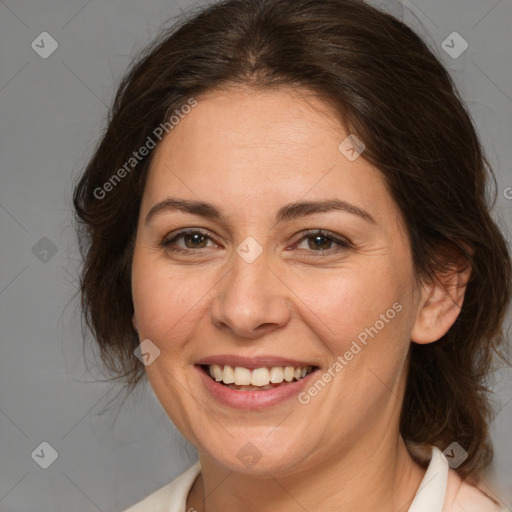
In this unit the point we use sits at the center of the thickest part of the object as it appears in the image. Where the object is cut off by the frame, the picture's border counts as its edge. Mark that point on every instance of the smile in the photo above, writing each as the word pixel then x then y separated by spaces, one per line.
pixel 245 379
pixel 256 388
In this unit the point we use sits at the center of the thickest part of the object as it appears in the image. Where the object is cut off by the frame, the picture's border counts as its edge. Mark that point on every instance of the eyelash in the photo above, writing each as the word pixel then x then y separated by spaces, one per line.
pixel 343 244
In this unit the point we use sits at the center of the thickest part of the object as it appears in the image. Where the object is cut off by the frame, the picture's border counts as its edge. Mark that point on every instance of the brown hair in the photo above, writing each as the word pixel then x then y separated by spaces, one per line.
pixel 391 92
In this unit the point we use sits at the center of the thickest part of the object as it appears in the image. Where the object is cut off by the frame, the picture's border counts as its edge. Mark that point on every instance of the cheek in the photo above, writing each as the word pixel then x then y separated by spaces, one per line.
pixel 170 302
pixel 343 302
pixel 160 299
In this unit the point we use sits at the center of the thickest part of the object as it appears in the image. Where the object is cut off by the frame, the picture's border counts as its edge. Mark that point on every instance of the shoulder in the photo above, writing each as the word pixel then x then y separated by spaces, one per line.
pixel 462 496
pixel 171 497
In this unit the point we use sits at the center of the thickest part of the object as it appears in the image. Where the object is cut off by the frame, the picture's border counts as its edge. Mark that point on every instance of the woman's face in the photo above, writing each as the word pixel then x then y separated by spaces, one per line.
pixel 258 283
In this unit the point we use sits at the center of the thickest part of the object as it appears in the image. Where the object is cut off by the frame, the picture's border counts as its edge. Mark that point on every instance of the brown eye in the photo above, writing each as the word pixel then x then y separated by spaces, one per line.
pixel 193 240
pixel 318 241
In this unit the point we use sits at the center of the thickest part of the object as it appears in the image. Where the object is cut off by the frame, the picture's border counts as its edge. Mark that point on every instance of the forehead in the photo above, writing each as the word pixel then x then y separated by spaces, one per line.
pixel 255 150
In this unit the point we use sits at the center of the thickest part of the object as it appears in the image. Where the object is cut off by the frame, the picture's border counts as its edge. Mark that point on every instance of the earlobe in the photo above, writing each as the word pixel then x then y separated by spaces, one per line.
pixel 440 305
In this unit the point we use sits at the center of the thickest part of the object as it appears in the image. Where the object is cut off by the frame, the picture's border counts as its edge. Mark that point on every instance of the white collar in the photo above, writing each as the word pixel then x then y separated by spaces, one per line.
pixel 432 490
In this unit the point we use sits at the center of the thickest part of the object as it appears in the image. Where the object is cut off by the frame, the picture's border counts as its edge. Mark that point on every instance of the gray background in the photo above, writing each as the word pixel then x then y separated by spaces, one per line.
pixel 52 111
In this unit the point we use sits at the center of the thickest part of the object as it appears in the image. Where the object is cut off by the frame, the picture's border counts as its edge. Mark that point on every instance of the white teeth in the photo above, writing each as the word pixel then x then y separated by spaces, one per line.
pixel 276 374
pixel 288 373
pixel 217 372
pixel 228 375
pixel 260 377
pixel 242 376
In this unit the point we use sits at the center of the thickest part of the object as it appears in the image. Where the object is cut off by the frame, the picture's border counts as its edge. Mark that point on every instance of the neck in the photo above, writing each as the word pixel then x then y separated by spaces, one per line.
pixel 378 474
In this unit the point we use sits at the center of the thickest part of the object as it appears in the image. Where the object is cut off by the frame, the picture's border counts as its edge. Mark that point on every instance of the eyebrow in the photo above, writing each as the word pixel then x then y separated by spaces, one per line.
pixel 288 212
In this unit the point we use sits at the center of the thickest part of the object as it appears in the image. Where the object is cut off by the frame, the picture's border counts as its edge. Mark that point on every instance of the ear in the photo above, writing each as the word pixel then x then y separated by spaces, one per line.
pixel 441 302
pixel 134 323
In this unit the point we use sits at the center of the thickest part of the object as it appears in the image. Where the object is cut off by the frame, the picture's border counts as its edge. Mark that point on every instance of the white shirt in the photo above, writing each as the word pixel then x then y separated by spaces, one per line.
pixel 441 490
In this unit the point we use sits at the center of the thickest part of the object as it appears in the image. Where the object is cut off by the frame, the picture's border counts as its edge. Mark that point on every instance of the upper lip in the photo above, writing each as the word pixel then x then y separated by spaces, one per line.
pixel 252 363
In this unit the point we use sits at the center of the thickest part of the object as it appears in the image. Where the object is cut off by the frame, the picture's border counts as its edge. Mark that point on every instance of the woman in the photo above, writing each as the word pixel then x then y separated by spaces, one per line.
pixel 286 222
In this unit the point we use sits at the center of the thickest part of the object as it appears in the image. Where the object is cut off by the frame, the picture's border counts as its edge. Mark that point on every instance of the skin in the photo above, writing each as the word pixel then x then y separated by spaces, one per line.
pixel 250 152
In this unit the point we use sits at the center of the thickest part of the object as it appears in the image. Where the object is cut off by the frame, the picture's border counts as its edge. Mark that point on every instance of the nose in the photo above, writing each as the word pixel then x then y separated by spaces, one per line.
pixel 252 299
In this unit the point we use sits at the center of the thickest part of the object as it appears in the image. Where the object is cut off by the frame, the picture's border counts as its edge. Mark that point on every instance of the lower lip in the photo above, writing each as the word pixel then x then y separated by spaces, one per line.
pixel 253 400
